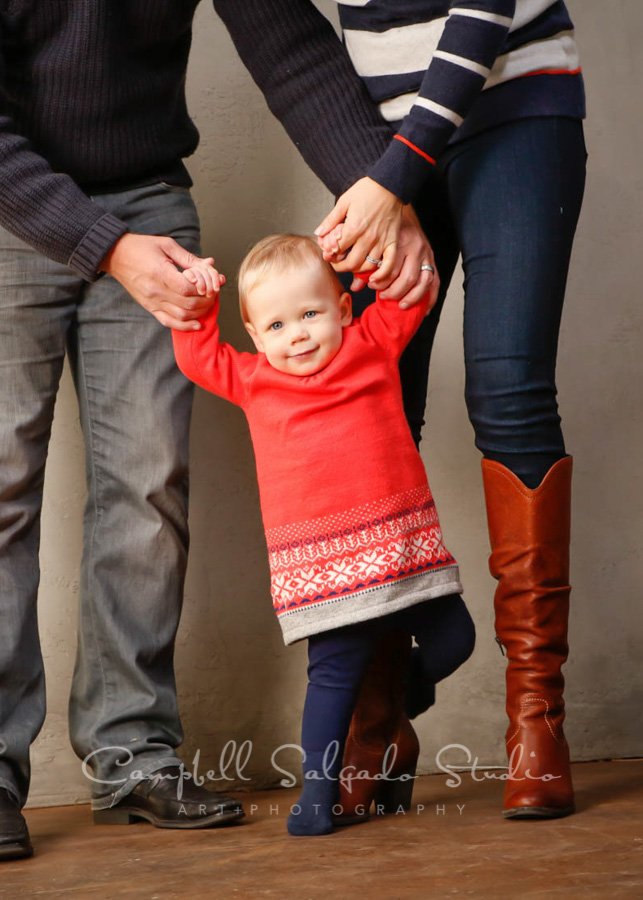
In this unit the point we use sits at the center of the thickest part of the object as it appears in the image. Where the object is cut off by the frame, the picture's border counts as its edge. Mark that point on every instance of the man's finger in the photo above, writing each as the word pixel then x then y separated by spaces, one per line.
pixel 180 313
pixel 179 254
pixel 177 286
pixel 169 321
pixel 183 307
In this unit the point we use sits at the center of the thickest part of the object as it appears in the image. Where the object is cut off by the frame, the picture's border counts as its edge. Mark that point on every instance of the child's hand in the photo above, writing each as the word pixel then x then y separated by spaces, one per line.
pixel 329 244
pixel 205 277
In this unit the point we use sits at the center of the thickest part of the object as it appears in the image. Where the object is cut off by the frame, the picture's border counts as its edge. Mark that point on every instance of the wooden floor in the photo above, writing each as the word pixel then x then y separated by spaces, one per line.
pixel 435 851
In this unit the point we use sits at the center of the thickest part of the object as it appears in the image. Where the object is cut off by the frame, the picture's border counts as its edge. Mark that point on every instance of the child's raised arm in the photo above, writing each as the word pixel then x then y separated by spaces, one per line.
pixel 213 365
pixel 392 327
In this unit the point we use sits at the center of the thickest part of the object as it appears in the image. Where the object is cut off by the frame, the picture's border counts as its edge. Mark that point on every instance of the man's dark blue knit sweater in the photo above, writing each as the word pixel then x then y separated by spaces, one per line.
pixel 92 97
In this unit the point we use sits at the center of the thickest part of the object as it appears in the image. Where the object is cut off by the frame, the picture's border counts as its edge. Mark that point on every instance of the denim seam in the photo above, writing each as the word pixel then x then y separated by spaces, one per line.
pixel 97 511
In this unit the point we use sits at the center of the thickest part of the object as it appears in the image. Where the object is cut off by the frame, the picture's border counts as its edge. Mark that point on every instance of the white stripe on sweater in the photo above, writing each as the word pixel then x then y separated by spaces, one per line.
pixel 439 110
pixel 493 18
pixel 397 108
pixel 528 10
pixel 558 53
pixel 410 48
pixel 396 51
pixel 462 61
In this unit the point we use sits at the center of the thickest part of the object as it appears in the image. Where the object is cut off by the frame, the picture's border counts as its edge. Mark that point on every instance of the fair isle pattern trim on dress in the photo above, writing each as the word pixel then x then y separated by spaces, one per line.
pixel 363 548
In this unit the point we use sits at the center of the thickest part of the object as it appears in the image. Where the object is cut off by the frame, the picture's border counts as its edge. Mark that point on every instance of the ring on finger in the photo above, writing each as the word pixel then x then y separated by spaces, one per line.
pixel 425 267
pixel 376 262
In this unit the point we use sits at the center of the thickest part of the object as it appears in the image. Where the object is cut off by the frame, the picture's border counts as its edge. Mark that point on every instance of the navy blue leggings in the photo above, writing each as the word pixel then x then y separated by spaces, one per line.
pixel 508 200
pixel 337 660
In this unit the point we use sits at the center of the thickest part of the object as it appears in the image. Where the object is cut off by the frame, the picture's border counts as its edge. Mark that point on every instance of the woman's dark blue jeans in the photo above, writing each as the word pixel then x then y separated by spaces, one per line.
pixel 508 200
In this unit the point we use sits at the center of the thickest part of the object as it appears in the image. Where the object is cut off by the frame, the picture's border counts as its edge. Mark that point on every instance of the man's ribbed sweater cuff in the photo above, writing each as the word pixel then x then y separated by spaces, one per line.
pixel 95 245
pixel 401 170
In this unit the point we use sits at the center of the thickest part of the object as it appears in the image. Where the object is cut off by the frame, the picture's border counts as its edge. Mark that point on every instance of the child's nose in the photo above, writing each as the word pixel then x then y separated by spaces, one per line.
pixel 300 333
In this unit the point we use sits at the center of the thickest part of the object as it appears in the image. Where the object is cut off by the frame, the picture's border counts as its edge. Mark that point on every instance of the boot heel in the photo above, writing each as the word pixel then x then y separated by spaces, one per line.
pixel 392 795
pixel 113 816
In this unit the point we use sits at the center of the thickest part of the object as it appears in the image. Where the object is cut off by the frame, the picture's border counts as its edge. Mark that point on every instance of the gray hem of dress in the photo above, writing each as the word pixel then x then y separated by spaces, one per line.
pixel 371 603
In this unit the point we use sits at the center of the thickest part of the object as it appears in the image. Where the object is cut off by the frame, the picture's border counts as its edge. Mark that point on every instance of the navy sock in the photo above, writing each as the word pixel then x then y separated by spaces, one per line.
pixel 313 813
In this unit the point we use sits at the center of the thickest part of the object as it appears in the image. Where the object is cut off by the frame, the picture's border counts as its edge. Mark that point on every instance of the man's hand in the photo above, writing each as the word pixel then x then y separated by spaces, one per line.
pixel 146 266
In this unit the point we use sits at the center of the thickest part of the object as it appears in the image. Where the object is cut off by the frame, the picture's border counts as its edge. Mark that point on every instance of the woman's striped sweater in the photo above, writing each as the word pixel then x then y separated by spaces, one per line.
pixel 450 69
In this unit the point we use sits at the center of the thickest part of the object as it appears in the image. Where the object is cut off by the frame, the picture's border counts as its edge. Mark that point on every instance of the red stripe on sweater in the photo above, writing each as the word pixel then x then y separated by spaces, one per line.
pixel 552 72
pixel 398 137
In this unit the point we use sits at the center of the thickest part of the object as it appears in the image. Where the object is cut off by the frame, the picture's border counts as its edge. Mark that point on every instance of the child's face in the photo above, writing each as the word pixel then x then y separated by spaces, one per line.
pixel 296 318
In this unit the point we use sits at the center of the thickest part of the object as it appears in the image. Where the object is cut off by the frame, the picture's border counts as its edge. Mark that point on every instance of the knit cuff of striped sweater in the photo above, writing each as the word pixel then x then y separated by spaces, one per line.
pixel 402 169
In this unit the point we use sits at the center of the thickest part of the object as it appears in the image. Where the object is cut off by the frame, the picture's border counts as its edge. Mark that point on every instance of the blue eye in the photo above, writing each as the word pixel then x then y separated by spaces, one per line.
pixel 310 314
pixel 276 326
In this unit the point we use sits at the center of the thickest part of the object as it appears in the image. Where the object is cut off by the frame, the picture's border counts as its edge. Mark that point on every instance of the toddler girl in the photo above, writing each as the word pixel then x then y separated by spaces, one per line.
pixel 354 541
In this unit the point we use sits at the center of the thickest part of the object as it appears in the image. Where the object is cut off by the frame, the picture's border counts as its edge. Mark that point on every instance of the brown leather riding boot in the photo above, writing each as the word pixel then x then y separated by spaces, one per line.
pixel 380 722
pixel 529 533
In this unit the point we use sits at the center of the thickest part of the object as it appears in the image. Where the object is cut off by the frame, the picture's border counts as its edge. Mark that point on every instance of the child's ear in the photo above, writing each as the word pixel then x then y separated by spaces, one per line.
pixel 255 337
pixel 346 309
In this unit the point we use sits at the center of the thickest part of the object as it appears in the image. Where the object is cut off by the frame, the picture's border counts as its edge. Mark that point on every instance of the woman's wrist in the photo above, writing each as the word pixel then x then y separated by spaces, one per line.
pixel 401 170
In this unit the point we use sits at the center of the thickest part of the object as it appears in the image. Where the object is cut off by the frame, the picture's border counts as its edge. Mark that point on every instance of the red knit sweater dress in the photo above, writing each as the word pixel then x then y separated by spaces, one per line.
pixel 351 526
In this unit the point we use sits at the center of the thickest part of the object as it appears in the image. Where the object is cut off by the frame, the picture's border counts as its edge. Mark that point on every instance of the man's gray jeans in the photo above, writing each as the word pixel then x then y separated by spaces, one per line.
pixel 135 410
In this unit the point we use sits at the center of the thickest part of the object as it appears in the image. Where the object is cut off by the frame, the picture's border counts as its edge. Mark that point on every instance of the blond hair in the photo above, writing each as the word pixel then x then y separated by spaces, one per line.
pixel 278 253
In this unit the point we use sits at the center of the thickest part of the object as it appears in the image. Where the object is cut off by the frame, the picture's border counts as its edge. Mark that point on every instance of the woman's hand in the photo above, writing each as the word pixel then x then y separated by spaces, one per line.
pixel 375 223
pixel 371 218
pixel 407 280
